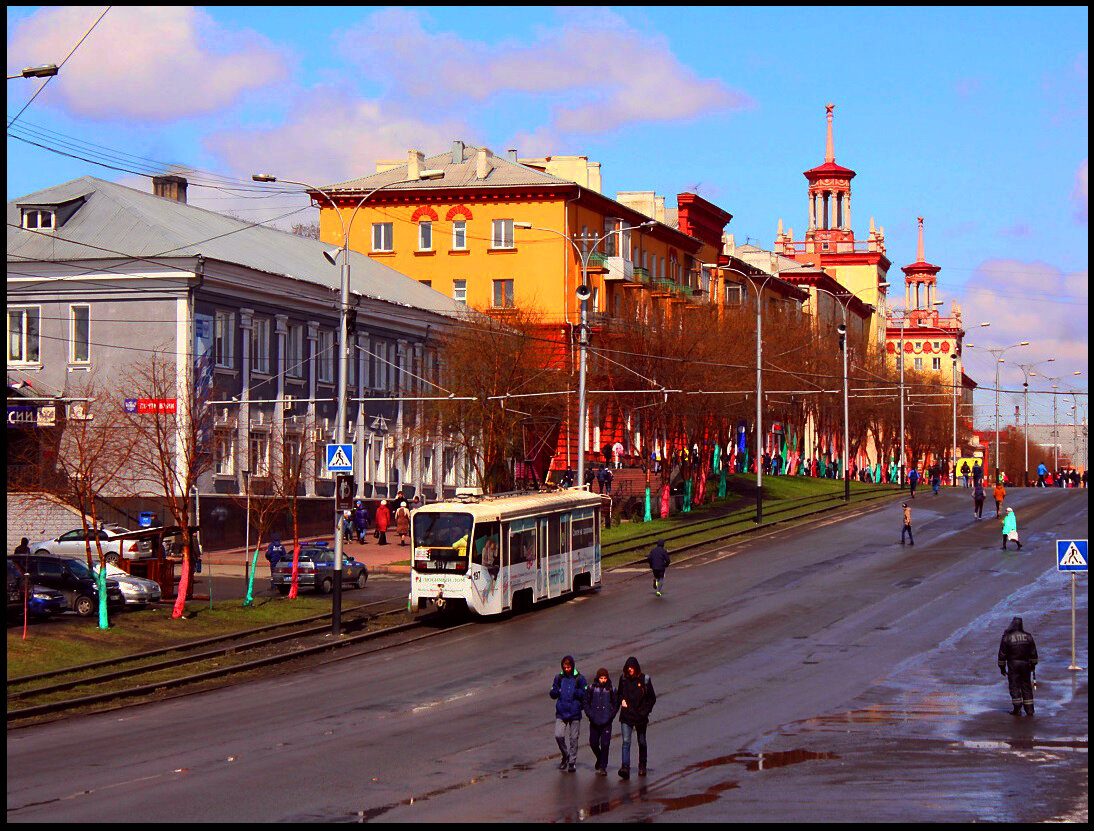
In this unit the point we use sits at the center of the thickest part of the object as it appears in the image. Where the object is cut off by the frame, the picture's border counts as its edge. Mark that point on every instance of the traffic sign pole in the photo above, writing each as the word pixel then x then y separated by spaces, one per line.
pixel 1072 556
pixel 1074 666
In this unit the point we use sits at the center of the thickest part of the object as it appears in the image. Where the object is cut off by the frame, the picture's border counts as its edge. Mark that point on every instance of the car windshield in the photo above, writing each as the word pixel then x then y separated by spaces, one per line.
pixel 79 569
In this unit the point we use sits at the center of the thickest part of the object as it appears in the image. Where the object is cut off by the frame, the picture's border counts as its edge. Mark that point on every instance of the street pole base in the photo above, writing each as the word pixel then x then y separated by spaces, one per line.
pixel 1075 668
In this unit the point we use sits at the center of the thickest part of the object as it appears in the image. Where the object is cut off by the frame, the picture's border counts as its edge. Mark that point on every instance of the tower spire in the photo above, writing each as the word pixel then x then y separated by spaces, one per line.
pixel 829 151
pixel 919 251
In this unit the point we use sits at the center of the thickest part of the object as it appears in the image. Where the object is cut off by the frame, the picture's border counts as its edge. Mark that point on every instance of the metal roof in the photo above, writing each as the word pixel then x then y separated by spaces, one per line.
pixel 115 222
pixel 507 505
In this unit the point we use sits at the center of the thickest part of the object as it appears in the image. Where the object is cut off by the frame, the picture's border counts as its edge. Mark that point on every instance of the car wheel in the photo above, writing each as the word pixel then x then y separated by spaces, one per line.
pixel 361 580
pixel 112 557
pixel 326 585
pixel 43 552
pixel 84 605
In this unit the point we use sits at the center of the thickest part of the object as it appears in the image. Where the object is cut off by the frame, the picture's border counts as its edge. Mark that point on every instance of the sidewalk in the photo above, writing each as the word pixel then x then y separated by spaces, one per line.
pixel 232 562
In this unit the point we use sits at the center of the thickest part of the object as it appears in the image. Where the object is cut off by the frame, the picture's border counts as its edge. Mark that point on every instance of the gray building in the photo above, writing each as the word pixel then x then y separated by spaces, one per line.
pixel 102 276
pixel 1069 441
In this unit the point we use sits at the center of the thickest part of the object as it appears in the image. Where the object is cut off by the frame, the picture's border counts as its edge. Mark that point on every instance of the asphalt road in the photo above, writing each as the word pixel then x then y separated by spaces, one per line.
pixel 816 674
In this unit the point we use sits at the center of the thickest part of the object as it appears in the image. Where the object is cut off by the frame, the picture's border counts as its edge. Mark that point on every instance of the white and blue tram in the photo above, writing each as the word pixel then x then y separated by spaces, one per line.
pixel 496 551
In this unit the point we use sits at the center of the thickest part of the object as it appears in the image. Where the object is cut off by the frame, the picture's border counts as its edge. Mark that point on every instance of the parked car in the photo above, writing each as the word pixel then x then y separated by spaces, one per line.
pixel 138 591
pixel 42 601
pixel 73 579
pixel 316 570
pixel 74 544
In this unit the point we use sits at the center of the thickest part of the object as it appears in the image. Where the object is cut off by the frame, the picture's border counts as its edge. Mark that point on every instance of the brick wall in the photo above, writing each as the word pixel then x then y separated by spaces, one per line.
pixel 37 517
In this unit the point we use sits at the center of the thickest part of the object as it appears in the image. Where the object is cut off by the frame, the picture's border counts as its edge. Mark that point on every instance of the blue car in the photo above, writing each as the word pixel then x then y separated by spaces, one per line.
pixel 316 570
pixel 42 601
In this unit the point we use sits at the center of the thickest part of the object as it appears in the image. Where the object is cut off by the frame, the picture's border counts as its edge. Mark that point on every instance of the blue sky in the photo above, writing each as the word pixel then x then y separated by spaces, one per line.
pixel 975 119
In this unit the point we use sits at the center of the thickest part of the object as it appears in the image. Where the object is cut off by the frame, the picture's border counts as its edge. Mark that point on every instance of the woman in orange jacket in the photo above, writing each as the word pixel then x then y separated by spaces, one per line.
pixel 1000 494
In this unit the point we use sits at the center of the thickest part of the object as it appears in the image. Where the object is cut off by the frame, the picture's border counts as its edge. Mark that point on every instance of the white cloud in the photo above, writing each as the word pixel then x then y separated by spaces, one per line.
pixel 331 135
pixel 1030 301
pixel 594 73
pixel 158 63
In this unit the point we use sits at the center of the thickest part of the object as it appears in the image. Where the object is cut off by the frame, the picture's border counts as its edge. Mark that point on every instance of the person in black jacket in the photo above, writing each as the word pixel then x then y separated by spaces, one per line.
pixel 636 700
pixel 601 705
pixel 659 561
pixel 1017 661
pixel 568 691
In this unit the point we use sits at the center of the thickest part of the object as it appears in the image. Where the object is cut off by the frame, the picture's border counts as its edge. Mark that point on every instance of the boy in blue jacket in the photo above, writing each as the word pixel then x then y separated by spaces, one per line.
pixel 601 705
pixel 568 690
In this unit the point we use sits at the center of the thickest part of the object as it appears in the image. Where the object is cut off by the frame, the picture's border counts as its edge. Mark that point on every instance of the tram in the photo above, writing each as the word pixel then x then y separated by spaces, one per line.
pixel 494 552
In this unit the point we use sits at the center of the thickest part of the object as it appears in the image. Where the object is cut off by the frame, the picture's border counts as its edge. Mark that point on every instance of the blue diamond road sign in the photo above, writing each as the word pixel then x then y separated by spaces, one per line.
pixel 1071 555
pixel 340 458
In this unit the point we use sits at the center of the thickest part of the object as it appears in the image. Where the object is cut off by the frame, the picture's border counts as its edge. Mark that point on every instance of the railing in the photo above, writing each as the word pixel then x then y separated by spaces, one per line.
pixel 856 247
pixel 641 274
pixel 598 259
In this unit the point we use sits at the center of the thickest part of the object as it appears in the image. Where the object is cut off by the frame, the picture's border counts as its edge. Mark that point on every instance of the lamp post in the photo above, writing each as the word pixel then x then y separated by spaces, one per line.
pixel 997 353
pixel 583 292
pixel 343 361
pixel 842 330
pixel 1027 373
pixel 1055 426
pixel 45 71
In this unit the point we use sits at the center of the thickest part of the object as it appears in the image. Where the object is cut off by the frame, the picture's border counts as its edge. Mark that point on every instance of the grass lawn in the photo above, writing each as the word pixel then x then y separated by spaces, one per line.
pixel 77 642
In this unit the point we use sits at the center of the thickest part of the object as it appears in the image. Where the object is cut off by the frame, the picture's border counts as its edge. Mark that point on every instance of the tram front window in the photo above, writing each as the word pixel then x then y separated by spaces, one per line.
pixel 440 541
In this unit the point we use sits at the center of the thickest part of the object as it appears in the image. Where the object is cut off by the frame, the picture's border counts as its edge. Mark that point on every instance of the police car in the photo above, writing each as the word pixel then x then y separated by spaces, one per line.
pixel 316 570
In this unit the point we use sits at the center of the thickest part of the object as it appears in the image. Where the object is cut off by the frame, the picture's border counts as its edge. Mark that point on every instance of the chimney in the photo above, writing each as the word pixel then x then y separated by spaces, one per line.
pixel 457 152
pixel 414 161
pixel 170 187
pixel 512 154
pixel 482 168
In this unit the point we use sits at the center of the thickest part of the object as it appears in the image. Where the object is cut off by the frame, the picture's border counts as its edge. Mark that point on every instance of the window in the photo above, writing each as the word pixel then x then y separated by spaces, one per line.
pixel 320 457
pixel 459 291
pixel 609 243
pixel 80 350
pixel 224 339
pixel 38 220
pixel 260 346
pixel 260 454
pixel 427 283
pixel 225 452
pixel 459 235
pixel 292 457
pixel 325 358
pixel 382 236
pixel 503 294
pixel 425 236
pixel 503 233
pixel 294 347
pixel 936 363
pixel 594 301
pixel 23 334
pixel 734 294
pixel 918 364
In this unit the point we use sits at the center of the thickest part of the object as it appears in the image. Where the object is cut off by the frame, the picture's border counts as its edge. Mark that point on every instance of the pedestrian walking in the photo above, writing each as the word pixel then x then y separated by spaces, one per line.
pixel 604 477
pixel 1041 471
pixel 617 454
pixel 383 520
pixel 360 521
pixel 659 561
pixel 977 472
pixel 402 523
pixel 907 529
pixel 23 547
pixel 1010 529
pixel 275 552
pixel 636 700
pixel 568 691
pixel 965 472
pixel 601 705
pixel 590 476
pixel 978 500
pixel 913 480
pixel 1000 493
pixel 347 524
pixel 1018 662
pixel 936 480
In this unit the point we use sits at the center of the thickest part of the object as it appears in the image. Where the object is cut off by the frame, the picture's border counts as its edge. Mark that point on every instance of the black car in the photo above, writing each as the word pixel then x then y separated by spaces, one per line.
pixel 72 578
pixel 39 603
pixel 316 570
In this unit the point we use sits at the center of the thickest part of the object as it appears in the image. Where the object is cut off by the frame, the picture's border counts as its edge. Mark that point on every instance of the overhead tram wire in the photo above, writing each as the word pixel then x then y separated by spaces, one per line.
pixel 59 66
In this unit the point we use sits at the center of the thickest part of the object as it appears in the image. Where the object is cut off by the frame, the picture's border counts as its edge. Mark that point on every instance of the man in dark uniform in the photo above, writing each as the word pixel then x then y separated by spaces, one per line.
pixel 1017 661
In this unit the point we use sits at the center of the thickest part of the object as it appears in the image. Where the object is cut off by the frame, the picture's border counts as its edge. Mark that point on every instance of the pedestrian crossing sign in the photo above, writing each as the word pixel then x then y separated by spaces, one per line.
pixel 340 458
pixel 1071 555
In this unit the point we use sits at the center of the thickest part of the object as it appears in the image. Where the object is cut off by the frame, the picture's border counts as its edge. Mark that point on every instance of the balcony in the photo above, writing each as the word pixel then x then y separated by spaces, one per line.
pixel 619 268
pixel 598 262
pixel 663 288
pixel 642 275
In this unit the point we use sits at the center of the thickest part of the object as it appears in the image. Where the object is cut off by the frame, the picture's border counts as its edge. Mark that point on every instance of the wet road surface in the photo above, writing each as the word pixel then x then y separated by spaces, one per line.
pixel 817 674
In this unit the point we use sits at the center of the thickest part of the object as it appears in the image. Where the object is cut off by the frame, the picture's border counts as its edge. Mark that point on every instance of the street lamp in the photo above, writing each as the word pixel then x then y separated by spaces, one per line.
pixel 583 292
pixel 1055 426
pixel 45 71
pixel 343 363
pixel 1027 373
pixel 997 353
pixel 842 330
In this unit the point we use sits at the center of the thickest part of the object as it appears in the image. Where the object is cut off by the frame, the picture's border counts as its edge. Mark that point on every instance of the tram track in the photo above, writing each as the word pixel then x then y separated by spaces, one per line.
pixel 187 668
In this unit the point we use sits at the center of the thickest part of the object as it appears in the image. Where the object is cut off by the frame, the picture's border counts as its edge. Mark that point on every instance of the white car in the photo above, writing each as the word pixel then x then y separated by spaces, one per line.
pixel 73 544
pixel 137 591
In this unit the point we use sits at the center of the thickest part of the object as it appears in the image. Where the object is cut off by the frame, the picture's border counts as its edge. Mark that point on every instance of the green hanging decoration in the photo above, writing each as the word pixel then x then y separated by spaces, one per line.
pixel 687 496
pixel 648 516
pixel 249 599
